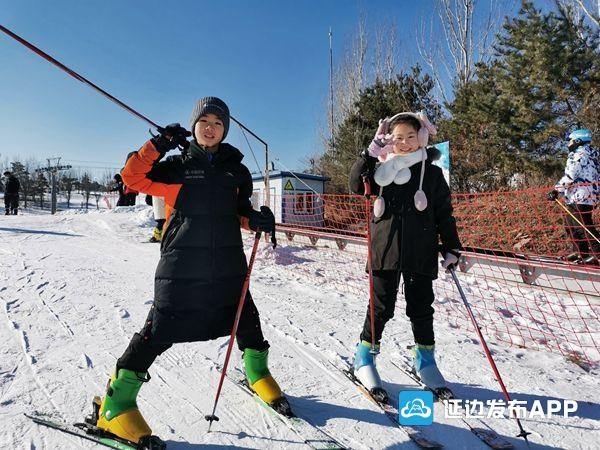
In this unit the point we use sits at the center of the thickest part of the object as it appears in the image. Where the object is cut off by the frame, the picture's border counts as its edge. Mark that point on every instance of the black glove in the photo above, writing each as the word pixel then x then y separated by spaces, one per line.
pixel 369 164
pixel 170 137
pixel 263 220
pixel 552 195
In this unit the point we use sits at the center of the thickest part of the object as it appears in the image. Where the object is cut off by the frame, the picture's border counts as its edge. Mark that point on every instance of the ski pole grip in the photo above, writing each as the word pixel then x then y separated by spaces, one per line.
pixel 367 185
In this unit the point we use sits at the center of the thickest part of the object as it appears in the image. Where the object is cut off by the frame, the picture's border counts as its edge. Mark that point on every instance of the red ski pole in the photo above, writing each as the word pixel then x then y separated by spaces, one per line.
pixel 75 75
pixel 84 80
pixel 367 185
pixel 212 417
pixel 522 433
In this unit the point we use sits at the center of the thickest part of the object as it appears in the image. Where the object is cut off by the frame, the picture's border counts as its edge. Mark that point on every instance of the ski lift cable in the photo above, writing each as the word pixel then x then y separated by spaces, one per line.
pixel 85 161
pixel 115 100
pixel 296 176
pixel 75 75
pixel 112 169
pixel 251 151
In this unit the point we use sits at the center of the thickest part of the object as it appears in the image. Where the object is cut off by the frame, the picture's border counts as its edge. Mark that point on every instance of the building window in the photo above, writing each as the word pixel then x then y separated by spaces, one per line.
pixel 299 203
pixel 304 204
pixel 310 209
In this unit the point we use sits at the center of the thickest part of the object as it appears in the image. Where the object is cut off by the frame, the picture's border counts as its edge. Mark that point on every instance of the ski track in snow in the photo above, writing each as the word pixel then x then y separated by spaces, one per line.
pixel 75 287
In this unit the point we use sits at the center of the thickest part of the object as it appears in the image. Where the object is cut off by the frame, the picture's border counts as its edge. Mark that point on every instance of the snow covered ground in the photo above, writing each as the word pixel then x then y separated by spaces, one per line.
pixel 75 286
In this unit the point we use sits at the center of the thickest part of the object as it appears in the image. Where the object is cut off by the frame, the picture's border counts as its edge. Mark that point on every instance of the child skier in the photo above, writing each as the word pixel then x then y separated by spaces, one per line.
pixel 580 188
pixel 412 212
pixel 202 267
pixel 158 210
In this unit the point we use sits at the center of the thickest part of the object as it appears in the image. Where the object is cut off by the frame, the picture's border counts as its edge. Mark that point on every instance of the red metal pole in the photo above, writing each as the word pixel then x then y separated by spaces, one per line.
pixel 75 75
pixel 523 433
pixel 367 185
pixel 238 314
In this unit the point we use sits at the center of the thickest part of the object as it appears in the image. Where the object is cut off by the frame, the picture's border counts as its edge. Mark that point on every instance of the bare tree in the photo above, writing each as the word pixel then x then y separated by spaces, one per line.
pixel 66 183
pixel 107 179
pixel 349 78
pixel 457 37
pixel 385 51
pixel 581 9
pixel 359 67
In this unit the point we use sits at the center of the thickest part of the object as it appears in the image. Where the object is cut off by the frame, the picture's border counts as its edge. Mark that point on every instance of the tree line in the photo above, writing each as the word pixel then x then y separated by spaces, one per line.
pixel 506 109
pixel 35 183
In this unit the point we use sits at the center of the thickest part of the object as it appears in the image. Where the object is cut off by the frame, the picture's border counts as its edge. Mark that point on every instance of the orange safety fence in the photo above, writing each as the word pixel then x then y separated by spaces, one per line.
pixel 522 289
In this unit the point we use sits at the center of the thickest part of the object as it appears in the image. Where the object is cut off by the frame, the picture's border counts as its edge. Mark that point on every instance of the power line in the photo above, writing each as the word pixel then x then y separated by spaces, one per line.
pixel 251 151
pixel 93 162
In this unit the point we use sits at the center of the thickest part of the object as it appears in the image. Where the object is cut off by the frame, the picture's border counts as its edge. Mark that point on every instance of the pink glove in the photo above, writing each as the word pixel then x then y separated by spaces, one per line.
pixel 451 258
pixel 382 142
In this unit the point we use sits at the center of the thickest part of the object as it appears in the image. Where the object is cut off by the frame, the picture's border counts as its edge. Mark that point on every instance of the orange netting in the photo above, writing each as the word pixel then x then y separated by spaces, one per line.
pixel 522 290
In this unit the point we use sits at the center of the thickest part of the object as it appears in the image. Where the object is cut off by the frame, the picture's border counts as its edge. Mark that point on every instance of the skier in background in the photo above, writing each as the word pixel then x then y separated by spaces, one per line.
pixel 120 188
pixel 579 186
pixel 12 186
pixel 202 267
pixel 158 211
pixel 412 211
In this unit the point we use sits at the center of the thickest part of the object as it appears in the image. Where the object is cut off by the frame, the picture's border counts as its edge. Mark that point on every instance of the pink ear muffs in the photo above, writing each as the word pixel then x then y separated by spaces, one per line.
pixel 427 128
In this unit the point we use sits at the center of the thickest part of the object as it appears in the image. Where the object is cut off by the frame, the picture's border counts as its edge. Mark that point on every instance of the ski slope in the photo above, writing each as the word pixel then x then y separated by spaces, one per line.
pixel 74 287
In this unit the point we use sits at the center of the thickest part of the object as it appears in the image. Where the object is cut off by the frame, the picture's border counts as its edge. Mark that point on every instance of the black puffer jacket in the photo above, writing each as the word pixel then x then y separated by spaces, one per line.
pixel 202 266
pixel 12 185
pixel 404 238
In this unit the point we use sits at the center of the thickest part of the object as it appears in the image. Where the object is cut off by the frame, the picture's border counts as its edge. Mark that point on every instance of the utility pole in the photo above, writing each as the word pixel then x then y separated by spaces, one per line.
pixel 53 171
pixel 331 83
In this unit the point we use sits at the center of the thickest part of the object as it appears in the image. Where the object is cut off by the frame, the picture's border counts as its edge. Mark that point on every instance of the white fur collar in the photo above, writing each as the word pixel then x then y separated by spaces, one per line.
pixel 395 168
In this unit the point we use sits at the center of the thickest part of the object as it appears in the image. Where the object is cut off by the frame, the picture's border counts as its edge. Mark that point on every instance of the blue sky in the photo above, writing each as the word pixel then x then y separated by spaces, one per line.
pixel 269 60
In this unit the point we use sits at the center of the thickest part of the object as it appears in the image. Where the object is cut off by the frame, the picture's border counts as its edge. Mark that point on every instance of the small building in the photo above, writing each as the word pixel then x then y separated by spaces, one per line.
pixel 295 197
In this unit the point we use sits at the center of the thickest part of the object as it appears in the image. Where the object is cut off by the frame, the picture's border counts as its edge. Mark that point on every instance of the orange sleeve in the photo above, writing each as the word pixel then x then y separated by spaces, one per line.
pixel 135 176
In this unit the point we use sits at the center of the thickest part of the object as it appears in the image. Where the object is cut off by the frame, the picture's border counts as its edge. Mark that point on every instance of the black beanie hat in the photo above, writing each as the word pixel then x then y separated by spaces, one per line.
pixel 210 105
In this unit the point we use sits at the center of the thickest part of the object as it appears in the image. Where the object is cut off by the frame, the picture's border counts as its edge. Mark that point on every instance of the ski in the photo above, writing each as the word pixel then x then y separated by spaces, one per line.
pixel 487 435
pixel 391 412
pixel 310 434
pixel 80 431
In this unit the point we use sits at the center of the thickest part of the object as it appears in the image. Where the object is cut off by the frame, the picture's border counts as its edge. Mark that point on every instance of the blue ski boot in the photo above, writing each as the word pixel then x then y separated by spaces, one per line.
pixel 425 367
pixel 365 371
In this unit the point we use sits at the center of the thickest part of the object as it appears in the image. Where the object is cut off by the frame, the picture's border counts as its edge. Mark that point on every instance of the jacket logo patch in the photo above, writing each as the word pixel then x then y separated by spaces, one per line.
pixel 194 174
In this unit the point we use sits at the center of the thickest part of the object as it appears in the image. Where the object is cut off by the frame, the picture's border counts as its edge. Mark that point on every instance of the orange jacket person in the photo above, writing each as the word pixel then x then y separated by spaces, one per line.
pixel 202 266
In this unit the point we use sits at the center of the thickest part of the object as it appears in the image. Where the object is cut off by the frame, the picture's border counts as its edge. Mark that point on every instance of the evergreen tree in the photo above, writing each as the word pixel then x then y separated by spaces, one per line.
pixel 406 92
pixel 40 187
pixel 66 183
pixel 513 118
pixel 20 171
pixel 86 186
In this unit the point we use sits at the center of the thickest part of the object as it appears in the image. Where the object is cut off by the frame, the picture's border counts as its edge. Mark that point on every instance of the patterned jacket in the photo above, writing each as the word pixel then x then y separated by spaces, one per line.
pixel 579 185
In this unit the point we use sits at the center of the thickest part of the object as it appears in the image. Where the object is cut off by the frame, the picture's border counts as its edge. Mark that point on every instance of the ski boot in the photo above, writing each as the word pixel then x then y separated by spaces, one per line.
pixel 425 367
pixel 365 371
pixel 156 235
pixel 118 413
pixel 262 382
pixel 590 261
